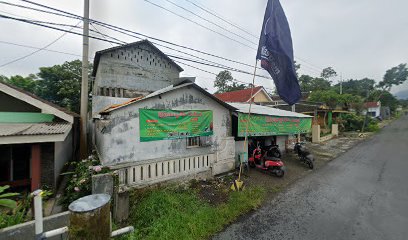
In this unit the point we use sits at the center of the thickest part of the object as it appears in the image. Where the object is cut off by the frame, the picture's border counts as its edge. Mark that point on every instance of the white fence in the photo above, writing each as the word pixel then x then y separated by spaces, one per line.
pixel 141 174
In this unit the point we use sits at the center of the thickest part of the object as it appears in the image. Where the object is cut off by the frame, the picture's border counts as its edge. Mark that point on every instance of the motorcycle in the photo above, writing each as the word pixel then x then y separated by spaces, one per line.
pixel 274 151
pixel 304 155
pixel 265 163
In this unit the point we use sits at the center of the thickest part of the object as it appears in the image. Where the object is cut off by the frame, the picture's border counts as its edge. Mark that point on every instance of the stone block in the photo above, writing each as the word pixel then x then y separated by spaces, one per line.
pixel 102 183
pixel 121 206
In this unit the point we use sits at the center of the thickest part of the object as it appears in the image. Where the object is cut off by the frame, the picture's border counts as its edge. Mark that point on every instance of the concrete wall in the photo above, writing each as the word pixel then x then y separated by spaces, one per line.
pixel 12 104
pixel 135 68
pixel 118 138
pixel 62 154
pixel 47 165
pixel 26 230
pixel 261 98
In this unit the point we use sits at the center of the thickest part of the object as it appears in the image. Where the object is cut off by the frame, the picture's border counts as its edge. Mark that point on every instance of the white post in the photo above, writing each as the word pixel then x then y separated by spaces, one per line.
pixel 38 215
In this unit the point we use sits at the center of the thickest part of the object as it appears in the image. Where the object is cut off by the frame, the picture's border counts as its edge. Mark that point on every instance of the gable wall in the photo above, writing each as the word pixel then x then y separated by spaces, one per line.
pixel 11 104
pixel 138 69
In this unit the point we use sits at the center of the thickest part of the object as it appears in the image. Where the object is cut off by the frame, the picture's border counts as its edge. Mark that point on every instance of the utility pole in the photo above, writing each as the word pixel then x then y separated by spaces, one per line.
pixel 341 83
pixel 84 87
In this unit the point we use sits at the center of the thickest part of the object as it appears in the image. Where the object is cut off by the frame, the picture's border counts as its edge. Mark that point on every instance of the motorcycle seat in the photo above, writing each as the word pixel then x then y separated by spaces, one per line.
pixel 272 159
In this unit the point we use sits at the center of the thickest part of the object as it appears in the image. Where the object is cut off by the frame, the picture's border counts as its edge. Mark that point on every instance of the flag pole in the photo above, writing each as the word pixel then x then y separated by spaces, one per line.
pixel 249 115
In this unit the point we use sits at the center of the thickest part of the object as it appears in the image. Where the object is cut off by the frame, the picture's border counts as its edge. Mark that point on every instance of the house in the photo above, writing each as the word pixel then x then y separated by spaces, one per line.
pixel 260 96
pixel 37 138
pixel 152 125
pixel 130 71
pixel 180 131
pixel 373 109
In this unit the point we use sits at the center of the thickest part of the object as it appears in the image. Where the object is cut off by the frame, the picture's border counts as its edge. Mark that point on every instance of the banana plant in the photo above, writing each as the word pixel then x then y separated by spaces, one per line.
pixel 4 198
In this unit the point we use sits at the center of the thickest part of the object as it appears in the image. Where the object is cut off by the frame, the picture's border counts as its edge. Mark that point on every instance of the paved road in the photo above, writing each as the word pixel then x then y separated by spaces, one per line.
pixel 362 194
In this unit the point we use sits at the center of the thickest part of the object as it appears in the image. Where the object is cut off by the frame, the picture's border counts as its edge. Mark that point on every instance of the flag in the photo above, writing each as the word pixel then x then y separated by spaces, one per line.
pixel 275 51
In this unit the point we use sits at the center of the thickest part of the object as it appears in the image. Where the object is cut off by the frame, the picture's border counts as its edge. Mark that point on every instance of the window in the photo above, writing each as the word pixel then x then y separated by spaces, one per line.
pixel 193 142
pixel 198 142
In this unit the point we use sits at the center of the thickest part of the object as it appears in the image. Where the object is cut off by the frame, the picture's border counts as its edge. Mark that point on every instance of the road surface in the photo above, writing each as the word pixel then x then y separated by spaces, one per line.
pixel 362 194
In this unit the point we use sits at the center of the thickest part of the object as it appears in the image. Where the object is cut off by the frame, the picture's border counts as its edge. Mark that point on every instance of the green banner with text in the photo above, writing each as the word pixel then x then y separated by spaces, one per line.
pixel 173 124
pixel 262 125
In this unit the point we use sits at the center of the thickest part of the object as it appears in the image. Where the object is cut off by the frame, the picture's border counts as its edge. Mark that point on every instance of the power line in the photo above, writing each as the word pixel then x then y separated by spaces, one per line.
pixel 71 15
pixel 47 50
pixel 120 43
pixel 211 22
pixel 122 30
pixel 199 24
pixel 39 50
pixel 213 13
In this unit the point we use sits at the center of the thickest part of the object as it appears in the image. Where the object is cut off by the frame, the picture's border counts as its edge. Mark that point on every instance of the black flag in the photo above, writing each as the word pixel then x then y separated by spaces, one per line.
pixel 276 52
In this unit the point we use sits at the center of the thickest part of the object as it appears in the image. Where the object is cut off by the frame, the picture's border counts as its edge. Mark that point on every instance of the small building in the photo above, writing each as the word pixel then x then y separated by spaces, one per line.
pixel 373 109
pixel 180 131
pixel 37 138
pixel 268 126
pixel 260 96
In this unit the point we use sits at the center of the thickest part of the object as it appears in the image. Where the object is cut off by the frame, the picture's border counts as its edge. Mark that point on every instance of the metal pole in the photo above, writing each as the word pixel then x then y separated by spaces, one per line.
pixel 84 87
pixel 38 216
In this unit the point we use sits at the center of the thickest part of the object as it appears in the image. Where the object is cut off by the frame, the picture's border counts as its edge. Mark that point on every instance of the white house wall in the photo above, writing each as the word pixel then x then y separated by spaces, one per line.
pixel 118 137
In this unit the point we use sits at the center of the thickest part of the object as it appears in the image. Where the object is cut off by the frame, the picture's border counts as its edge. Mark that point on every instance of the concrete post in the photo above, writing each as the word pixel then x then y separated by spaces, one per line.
pixel 316 133
pixel 90 218
pixel 335 130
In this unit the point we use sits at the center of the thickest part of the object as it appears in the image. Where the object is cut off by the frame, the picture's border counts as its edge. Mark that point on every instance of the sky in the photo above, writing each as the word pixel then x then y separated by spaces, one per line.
pixel 358 39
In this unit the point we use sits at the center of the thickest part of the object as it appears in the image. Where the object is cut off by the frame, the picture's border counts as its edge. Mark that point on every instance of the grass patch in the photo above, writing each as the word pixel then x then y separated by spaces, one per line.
pixel 173 213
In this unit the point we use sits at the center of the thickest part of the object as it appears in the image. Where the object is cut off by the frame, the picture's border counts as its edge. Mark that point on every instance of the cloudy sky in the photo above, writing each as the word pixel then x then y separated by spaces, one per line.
pixel 359 39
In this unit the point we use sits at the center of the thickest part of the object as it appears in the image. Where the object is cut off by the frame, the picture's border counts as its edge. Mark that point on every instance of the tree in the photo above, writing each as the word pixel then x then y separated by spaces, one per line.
pixel 360 87
pixel 328 73
pixel 61 84
pixel 26 83
pixel 310 84
pixel 297 67
pixel 394 76
pixel 386 99
pixel 224 82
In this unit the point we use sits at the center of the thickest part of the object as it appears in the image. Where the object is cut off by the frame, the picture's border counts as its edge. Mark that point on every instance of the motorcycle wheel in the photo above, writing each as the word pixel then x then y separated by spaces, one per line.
pixel 277 154
pixel 310 164
pixel 279 173
pixel 252 164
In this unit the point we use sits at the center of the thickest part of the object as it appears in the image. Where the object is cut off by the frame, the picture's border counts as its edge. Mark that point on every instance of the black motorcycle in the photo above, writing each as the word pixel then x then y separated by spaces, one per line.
pixel 273 151
pixel 304 155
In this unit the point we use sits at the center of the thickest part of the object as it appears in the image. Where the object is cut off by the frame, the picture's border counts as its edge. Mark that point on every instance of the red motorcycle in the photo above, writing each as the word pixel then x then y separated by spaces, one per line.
pixel 266 163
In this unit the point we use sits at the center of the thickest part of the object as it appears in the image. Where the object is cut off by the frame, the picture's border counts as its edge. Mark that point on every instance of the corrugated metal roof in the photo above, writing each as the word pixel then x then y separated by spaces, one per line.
pixel 23 129
pixel 165 90
pixel 263 110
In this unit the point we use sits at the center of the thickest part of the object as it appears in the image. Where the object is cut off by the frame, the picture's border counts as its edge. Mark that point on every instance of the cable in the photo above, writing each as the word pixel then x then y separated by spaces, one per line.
pixel 119 43
pixel 32 47
pixel 115 28
pixel 200 69
pixel 213 23
pixel 39 50
pixel 213 13
pixel 122 30
pixel 199 24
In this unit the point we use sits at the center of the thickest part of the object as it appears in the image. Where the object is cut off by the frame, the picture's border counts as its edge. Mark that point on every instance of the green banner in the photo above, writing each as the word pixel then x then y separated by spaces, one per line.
pixel 262 125
pixel 173 124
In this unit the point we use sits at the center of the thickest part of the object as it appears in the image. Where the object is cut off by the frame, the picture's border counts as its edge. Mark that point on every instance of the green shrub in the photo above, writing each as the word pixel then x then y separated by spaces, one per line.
pixel 353 122
pixel 80 182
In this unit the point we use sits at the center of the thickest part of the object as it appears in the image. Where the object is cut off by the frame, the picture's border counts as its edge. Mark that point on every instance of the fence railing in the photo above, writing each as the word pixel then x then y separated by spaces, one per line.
pixel 141 174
